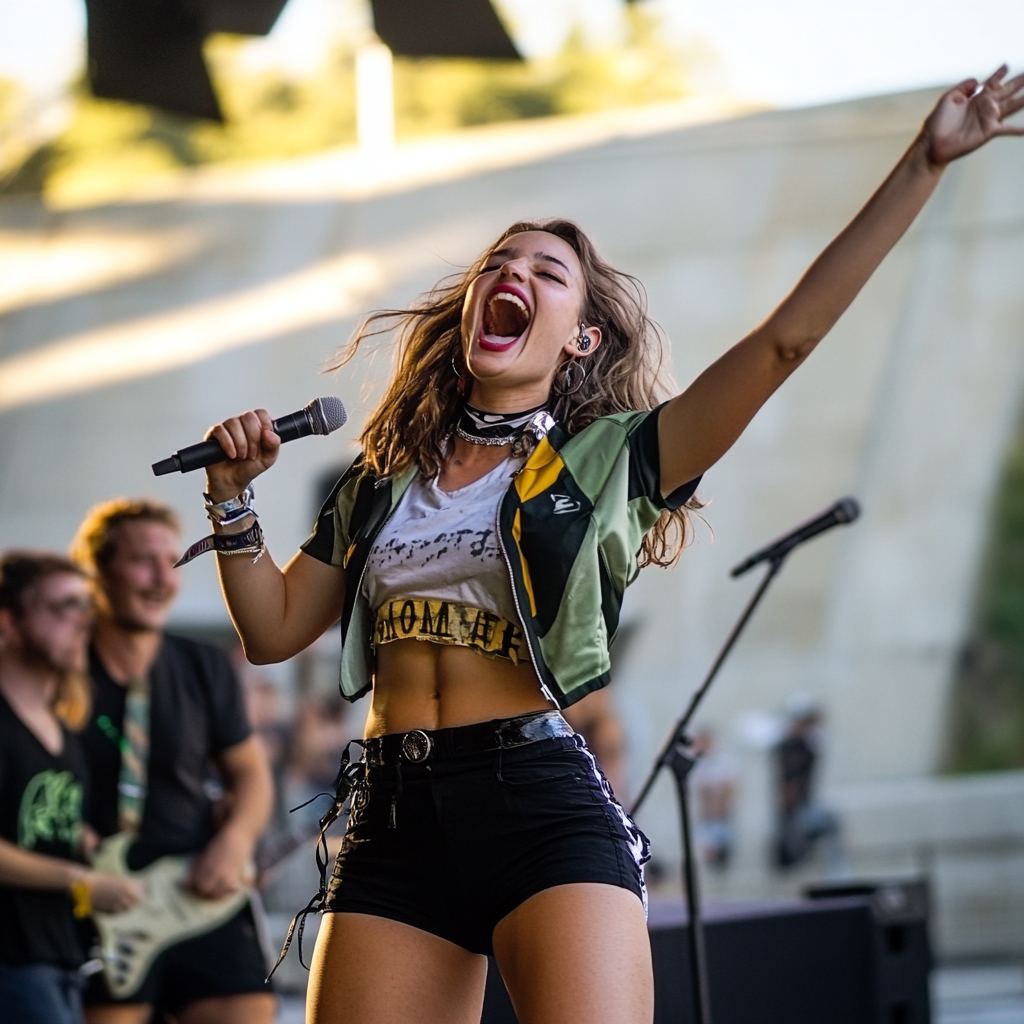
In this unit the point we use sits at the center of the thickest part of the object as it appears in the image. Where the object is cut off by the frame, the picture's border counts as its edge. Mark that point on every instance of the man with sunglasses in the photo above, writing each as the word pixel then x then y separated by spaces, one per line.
pixel 45 609
pixel 174 765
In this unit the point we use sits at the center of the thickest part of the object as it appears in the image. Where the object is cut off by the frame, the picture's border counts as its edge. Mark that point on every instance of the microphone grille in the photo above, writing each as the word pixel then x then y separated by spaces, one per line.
pixel 847 510
pixel 327 414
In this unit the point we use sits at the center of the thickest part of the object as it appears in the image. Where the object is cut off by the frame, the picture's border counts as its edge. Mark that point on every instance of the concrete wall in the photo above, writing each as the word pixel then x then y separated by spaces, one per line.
pixel 137 324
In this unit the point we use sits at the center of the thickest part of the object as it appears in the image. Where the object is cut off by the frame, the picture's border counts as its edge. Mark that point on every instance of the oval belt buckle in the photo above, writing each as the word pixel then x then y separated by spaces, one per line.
pixel 416 746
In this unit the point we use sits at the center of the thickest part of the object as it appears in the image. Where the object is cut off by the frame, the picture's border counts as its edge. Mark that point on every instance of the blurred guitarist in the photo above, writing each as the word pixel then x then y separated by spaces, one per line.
pixel 45 607
pixel 164 709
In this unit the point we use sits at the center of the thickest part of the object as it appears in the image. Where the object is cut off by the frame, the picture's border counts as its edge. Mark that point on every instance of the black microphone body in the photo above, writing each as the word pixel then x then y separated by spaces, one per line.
pixel 845 510
pixel 321 416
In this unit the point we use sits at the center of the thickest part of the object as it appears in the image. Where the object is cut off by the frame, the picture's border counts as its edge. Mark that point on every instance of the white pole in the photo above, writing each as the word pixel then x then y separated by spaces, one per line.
pixel 375 98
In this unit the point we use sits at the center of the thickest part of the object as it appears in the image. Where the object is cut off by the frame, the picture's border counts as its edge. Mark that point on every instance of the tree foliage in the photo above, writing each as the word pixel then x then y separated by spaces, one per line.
pixel 109 146
pixel 987 722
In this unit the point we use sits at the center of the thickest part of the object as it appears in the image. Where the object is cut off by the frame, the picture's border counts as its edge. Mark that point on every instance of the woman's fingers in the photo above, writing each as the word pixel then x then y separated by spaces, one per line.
pixel 223 437
pixel 969 86
pixel 239 439
pixel 1013 97
pixel 1013 85
pixel 269 439
pixel 997 76
pixel 253 429
pixel 246 437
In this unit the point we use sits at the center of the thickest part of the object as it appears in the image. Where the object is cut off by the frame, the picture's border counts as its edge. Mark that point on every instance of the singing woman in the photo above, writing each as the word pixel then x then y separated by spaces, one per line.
pixel 516 475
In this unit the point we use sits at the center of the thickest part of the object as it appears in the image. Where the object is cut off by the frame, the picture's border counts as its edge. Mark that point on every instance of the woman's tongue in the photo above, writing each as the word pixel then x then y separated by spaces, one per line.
pixel 503 323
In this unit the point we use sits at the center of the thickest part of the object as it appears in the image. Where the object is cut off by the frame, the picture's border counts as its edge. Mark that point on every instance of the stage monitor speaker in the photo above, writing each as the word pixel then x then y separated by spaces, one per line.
pixel 442 28
pixel 857 958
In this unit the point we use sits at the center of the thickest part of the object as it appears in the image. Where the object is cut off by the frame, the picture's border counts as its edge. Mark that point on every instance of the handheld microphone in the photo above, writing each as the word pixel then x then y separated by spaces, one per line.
pixel 321 416
pixel 845 510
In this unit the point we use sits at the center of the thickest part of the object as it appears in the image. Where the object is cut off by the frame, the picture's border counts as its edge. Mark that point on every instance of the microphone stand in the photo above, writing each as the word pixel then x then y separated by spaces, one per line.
pixel 679 757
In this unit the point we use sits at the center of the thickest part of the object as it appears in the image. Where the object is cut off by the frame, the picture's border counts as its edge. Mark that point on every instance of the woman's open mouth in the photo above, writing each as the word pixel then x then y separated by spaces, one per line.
pixel 506 317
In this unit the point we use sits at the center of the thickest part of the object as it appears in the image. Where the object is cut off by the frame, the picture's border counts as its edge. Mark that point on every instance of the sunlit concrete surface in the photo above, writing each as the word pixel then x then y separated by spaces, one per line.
pixel 244 280
pixel 976 994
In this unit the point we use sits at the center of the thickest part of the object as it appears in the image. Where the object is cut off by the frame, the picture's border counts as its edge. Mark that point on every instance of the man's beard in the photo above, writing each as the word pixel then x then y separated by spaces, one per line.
pixel 124 619
pixel 36 657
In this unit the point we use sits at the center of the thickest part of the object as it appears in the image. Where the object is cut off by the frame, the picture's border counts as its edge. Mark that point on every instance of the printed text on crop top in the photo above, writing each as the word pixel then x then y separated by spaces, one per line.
pixel 441 545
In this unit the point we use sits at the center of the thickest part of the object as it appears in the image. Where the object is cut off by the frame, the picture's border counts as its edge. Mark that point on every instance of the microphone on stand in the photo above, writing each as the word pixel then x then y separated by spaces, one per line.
pixel 321 416
pixel 845 510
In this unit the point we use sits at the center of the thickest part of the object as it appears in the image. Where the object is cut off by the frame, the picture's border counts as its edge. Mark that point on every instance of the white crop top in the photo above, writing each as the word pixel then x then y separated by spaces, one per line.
pixel 445 546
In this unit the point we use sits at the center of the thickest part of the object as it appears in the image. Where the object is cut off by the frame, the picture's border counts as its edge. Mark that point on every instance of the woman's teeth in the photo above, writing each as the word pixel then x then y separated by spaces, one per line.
pixel 506 316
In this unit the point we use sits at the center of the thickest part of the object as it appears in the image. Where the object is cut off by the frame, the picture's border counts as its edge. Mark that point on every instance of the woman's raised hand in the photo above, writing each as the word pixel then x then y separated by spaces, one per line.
pixel 251 447
pixel 968 116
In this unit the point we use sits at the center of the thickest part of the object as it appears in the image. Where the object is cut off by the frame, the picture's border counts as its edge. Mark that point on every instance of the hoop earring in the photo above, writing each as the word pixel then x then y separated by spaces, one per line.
pixel 570 380
pixel 583 341
pixel 461 386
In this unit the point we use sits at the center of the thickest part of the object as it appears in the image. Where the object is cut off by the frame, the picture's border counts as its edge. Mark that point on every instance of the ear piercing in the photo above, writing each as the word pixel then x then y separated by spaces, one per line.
pixel 583 341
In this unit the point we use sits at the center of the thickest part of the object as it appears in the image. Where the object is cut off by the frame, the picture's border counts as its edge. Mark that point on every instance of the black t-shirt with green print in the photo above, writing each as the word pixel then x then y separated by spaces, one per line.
pixel 41 798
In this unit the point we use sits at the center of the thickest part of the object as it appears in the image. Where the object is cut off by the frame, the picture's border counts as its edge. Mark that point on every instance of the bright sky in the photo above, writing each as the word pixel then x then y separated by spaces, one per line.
pixel 786 52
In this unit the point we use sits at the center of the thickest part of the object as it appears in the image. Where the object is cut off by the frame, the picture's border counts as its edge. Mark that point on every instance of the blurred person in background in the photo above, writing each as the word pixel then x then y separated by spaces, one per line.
pixel 164 709
pixel 713 782
pixel 269 725
pixel 597 720
pixel 515 476
pixel 803 821
pixel 319 732
pixel 45 611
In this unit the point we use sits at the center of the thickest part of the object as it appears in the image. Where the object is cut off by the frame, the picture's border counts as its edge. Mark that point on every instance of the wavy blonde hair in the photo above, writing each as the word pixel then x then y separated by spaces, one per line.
pixel 95 541
pixel 419 410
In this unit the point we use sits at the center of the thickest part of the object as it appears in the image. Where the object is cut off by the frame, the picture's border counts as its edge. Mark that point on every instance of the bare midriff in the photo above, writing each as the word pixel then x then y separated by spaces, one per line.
pixel 423 685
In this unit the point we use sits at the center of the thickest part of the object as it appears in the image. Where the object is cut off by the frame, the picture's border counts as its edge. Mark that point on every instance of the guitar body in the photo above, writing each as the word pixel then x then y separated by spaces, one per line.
pixel 168 914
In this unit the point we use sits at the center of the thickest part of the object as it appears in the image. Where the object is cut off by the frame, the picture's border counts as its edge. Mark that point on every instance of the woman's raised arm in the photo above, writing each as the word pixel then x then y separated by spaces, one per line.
pixel 277 613
pixel 699 426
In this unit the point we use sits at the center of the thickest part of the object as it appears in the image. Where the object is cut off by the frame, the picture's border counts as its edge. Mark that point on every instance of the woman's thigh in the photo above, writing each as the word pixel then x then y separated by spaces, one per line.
pixel 578 954
pixel 370 970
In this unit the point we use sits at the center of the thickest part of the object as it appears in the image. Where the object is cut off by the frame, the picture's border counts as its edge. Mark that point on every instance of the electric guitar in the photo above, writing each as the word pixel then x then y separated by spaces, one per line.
pixel 169 912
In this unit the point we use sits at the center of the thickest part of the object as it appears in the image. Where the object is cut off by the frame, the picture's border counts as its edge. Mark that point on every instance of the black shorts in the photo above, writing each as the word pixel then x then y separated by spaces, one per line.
pixel 454 843
pixel 225 962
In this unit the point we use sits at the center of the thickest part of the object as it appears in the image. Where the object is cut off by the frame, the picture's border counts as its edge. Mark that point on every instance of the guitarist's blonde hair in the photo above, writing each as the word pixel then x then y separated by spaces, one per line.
pixel 96 539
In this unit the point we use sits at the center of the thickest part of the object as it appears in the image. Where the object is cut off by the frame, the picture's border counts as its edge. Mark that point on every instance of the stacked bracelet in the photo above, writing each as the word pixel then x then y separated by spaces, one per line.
pixel 223 513
pixel 248 542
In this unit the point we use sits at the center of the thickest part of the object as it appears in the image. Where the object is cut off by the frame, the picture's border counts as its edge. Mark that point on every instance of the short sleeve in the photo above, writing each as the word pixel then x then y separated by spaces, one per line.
pixel 645 466
pixel 320 544
pixel 229 721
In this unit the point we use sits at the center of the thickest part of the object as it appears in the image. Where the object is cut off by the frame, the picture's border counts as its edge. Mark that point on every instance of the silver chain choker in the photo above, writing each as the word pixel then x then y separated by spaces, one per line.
pixel 520 429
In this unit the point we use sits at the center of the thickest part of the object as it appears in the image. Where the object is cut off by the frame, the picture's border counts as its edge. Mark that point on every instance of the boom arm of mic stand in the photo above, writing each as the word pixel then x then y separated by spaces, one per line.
pixel 680 729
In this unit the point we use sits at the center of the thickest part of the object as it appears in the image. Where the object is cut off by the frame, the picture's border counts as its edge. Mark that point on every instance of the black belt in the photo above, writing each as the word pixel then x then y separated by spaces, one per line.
pixel 419 745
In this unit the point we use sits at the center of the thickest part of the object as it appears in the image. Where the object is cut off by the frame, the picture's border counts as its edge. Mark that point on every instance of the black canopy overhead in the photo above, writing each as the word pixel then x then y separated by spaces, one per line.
pixel 150 51
pixel 442 28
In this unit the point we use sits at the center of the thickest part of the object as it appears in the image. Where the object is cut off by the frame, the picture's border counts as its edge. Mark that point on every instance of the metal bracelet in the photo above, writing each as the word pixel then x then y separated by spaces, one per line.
pixel 230 511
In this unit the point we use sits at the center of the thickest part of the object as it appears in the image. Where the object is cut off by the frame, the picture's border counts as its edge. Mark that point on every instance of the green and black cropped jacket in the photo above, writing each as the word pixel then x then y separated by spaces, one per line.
pixel 570 526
